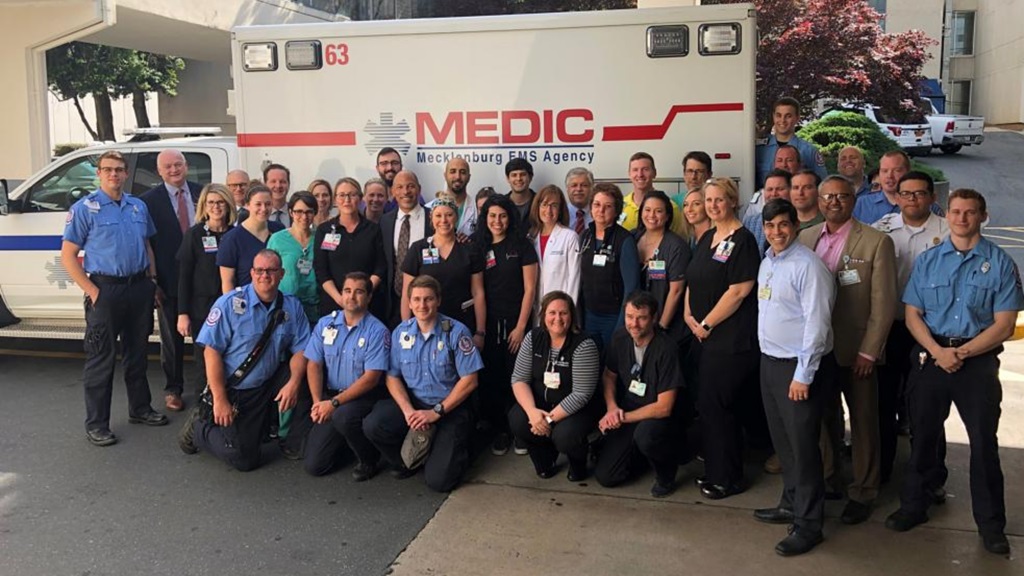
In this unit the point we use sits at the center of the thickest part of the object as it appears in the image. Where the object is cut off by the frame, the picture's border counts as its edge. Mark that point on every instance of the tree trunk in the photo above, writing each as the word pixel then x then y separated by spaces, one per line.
pixel 104 117
pixel 139 106
pixel 85 121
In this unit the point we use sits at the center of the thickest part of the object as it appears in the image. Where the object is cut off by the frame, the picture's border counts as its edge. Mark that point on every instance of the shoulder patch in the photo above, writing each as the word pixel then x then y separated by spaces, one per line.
pixel 818 158
pixel 466 345
pixel 213 317
pixel 69 218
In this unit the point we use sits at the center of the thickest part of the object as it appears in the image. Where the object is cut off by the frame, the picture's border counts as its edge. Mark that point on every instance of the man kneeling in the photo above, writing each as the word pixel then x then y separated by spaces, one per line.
pixel 247 337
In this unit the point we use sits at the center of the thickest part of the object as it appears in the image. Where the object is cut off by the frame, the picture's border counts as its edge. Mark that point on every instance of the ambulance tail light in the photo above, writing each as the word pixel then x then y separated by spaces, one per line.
pixel 259 57
pixel 723 155
pixel 719 39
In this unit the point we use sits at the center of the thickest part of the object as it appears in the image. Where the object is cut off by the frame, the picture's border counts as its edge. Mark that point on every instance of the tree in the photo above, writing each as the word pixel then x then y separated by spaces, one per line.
pixel 78 69
pixel 834 49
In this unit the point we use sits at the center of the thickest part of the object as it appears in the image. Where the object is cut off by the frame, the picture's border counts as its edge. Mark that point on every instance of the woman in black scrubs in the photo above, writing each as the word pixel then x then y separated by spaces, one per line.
pixel 458 267
pixel 510 282
pixel 348 243
pixel 664 256
pixel 721 310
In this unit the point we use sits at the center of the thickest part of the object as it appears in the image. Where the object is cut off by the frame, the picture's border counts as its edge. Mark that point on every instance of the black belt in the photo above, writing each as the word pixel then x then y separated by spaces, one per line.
pixel 948 342
pixel 774 359
pixel 105 279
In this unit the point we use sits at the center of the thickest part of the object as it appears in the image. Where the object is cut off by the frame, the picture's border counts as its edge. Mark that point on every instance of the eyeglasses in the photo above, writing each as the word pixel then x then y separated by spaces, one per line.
pixel 347 196
pixel 303 212
pixel 692 172
pixel 265 271
pixel 840 197
pixel 216 203
pixel 237 185
pixel 911 194
pixel 386 163
pixel 109 170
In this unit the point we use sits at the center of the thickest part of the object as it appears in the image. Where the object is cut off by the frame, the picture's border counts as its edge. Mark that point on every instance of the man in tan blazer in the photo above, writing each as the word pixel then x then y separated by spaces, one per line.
pixel 864 263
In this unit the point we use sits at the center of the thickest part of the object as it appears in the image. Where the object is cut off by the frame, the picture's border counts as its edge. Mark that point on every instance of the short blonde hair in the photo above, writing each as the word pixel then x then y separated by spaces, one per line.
pixel 728 186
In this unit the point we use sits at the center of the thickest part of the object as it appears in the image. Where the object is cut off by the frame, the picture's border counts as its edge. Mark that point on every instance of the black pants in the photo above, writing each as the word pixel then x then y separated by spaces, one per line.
pixel 172 347
pixel 795 429
pixel 892 377
pixel 724 382
pixel 327 441
pixel 977 393
pixel 449 451
pixel 125 311
pixel 495 391
pixel 568 436
pixel 624 450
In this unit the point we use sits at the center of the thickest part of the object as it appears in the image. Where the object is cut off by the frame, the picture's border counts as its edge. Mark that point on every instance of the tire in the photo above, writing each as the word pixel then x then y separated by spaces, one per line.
pixel 950 148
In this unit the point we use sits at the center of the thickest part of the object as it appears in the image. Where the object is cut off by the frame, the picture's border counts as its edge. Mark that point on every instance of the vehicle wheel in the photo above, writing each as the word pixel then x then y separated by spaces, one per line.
pixel 950 148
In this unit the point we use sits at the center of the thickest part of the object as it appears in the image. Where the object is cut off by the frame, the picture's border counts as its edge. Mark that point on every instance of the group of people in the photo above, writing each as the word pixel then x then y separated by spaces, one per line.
pixel 626 331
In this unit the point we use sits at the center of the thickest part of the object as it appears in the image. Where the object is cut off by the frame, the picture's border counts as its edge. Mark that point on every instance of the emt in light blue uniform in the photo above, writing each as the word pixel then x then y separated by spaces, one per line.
pixel 871 207
pixel 118 277
pixel 230 333
pixel 785 118
pixel 347 357
pixel 795 296
pixel 433 372
pixel 962 302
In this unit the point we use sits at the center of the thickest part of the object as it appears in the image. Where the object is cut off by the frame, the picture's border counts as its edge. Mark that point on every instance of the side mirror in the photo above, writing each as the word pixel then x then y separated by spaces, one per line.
pixel 4 202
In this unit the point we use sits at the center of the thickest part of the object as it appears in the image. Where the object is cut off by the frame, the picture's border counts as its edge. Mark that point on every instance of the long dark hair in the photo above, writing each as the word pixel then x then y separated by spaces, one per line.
pixel 483 236
pixel 656 195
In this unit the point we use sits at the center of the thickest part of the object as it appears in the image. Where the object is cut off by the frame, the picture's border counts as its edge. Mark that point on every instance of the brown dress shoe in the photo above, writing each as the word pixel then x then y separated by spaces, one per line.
pixel 173 402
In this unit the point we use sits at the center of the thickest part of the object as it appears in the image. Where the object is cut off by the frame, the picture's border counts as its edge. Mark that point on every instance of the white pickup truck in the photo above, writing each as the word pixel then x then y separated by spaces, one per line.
pixel 951 132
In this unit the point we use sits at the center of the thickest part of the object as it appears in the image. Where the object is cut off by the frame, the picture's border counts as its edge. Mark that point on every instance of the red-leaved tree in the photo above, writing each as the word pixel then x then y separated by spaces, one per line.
pixel 812 49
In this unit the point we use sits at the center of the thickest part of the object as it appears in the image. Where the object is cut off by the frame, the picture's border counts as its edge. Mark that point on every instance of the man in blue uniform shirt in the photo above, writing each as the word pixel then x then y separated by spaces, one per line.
pixel 118 277
pixel 785 119
pixel 795 296
pixel 347 356
pixel 433 372
pixel 242 383
pixel 961 305
pixel 871 207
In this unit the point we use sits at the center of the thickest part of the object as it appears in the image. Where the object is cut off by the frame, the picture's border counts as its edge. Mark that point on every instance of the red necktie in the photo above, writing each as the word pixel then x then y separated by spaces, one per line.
pixel 182 211
pixel 579 221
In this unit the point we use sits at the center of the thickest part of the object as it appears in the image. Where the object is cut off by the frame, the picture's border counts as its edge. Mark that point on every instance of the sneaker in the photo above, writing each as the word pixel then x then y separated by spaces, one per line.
pixel 518 447
pixel 500 445
pixel 186 436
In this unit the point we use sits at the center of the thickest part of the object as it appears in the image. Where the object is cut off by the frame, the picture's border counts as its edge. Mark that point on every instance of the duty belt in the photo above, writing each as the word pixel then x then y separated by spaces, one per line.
pixel 105 279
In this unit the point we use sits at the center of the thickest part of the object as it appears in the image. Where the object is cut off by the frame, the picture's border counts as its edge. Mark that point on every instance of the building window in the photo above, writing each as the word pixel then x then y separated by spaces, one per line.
pixel 963 34
pixel 879 6
pixel 959 101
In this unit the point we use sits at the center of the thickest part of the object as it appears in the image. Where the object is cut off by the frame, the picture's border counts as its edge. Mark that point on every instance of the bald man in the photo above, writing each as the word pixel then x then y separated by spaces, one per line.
pixel 456 177
pixel 238 182
pixel 851 165
pixel 172 205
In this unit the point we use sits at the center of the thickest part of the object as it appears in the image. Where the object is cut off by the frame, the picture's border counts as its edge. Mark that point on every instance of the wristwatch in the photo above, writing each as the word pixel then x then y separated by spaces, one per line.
pixel 705 326
pixel 549 419
pixel 335 403
pixel 439 409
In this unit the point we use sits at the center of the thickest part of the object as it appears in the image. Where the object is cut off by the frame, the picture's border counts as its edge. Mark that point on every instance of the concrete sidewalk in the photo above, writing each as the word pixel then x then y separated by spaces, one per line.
pixel 505 520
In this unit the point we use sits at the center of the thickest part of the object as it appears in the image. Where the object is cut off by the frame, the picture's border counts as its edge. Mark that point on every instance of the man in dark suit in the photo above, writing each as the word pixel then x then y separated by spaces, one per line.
pixel 172 205
pixel 405 189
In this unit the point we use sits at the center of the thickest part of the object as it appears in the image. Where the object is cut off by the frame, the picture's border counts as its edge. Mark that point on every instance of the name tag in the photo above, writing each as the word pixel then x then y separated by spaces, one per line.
pixel 600 260
pixel 491 260
pixel 431 256
pixel 331 242
pixel 656 270
pixel 724 250
pixel 764 293
pixel 305 266
pixel 209 244
pixel 330 333
pixel 552 380
pixel 849 277
pixel 637 387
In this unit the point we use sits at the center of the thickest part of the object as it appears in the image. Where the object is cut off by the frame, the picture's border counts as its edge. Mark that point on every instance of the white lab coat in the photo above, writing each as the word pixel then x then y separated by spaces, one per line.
pixel 560 264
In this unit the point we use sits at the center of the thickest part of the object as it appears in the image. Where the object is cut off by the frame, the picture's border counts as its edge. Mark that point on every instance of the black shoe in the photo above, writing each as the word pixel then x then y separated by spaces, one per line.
pixel 401 473
pixel 717 492
pixel 701 481
pixel 501 444
pixel 289 452
pixel 547 473
pixel 833 494
pixel 151 418
pixel 774 515
pixel 186 436
pixel 101 437
pixel 855 512
pixel 662 489
pixel 798 542
pixel 938 495
pixel 996 543
pixel 902 520
pixel 576 473
pixel 363 472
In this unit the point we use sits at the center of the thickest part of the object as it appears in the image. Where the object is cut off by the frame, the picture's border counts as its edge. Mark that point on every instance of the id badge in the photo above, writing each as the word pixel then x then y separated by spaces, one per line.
pixel 209 244
pixel 600 260
pixel 305 266
pixel 430 256
pixel 552 380
pixel 849 277
pixel 331 242
pixel 238 305
pixel 724 250
pixel 491 260
pixel 637 387
pixel 764 293
pixel 330 333
pixel 656 270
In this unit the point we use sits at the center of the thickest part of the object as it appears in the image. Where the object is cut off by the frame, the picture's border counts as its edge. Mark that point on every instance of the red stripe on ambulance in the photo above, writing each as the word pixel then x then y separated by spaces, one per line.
pixel 658 131
pixel 281 139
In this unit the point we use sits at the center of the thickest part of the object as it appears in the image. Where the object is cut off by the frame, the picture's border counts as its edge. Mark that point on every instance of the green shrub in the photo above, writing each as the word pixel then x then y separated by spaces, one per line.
pixel 935 173
pixel 62 149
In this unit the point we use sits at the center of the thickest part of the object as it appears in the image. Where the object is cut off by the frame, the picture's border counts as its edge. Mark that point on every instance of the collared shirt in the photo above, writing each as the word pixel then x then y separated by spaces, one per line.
pixel 172 194
pixel 234 326
pixel 910 242
pixel 587 218
pixel 865 187
pixel 830 244
pixel 630 217
pixel 280 215
pixel 424 361
pixel 873 206
pixel 752 221
pixel 417 226
pixel 795 296
pixel 346 352
pixel 765 155
pixel 113 234
pixel 959 294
